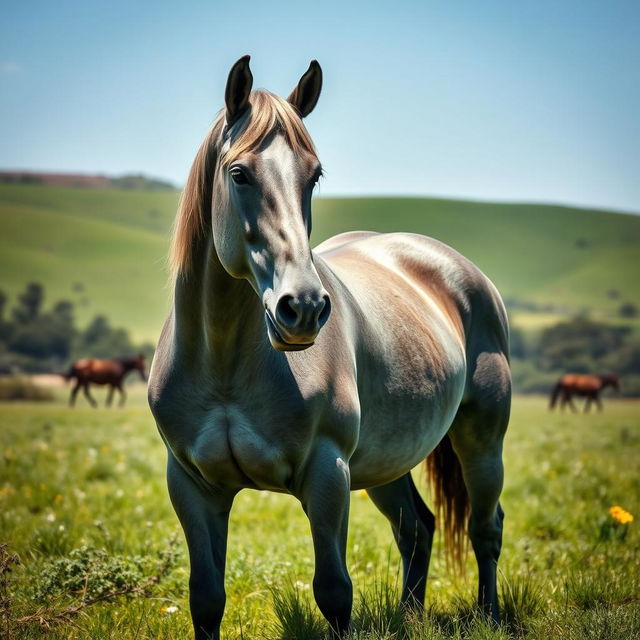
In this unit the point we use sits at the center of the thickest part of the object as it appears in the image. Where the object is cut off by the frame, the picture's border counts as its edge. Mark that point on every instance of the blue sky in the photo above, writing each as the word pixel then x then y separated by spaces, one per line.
pixel 534 101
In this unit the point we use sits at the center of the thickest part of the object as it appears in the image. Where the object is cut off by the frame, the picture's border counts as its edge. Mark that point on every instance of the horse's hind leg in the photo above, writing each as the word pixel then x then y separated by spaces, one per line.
pixel 572 406
pixel 110 396
pixel 413 526
pixel 476 435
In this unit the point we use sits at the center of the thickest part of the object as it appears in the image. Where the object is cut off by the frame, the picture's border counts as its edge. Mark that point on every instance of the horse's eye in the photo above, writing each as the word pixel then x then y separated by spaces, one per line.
pixel 238 175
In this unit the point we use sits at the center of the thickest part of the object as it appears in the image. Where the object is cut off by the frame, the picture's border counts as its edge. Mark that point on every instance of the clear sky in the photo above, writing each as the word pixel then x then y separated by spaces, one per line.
pixel 508 100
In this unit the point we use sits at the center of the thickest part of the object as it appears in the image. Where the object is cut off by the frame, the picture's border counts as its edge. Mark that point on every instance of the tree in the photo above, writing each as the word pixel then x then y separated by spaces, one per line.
pixel 5 326
pixel 628 310
pixel 517 345
pixel 29 304
pixel 101 340
pixel 579 345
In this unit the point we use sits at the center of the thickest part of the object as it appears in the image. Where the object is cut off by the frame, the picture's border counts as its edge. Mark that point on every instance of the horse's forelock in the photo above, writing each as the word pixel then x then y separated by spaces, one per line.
pixel 267 113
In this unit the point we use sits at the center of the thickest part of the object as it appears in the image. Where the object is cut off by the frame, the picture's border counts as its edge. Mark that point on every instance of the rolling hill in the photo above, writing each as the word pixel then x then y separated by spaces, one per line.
pixel 105 248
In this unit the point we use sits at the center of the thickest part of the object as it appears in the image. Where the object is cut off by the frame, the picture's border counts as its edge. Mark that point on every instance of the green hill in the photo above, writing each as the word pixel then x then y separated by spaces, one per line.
pixel 105 249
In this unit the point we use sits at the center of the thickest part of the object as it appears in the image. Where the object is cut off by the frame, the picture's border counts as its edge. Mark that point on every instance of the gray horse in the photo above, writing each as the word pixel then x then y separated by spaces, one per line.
pixel 318 372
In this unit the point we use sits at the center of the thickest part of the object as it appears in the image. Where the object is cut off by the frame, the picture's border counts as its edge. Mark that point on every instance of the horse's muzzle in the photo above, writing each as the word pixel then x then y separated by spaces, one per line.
pixel 297 321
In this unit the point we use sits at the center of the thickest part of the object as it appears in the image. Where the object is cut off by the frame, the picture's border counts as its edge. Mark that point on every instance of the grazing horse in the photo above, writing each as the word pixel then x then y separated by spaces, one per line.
pixel 111 372
pixel 588 386
pixel 316 372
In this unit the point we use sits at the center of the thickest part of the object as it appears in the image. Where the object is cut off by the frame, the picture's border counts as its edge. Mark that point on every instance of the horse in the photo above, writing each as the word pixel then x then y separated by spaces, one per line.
pixel 318 372
pixel 111 372
pixel 577 384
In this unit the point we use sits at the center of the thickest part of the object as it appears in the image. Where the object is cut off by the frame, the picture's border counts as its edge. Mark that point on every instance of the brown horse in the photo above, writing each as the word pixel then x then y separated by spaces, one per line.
pixel 589 386
pixel 111 372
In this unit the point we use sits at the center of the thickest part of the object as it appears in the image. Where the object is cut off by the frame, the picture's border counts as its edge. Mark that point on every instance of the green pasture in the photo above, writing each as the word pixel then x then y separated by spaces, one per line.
pixel 83 504
pixel 105 249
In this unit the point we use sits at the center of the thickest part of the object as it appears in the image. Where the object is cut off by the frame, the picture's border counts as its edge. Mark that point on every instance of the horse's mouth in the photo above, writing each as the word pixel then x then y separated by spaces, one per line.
pixel 278 342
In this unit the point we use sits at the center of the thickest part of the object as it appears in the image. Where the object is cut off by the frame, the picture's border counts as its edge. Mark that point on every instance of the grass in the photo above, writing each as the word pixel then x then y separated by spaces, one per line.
pixel 94 479
pixel 567 257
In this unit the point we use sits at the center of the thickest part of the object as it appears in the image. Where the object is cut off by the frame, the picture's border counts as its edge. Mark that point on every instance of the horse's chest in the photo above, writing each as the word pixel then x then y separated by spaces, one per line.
pixel 226 447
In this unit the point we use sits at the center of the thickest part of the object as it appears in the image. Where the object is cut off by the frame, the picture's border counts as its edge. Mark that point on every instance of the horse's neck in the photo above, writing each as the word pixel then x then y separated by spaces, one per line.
pixel 215 314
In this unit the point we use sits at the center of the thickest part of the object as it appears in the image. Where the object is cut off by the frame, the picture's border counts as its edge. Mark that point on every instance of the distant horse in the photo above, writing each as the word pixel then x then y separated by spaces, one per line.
pixel 589 386
pixel 317 372
pixel 111 372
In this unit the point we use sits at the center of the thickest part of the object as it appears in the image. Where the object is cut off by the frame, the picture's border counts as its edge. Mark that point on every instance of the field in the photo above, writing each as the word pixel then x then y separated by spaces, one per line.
pixel 94 480
pixel 550 260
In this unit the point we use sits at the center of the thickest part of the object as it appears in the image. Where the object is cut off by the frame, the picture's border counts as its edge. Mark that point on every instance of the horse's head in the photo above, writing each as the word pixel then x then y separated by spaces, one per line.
pixel 612 380
pixel 261 206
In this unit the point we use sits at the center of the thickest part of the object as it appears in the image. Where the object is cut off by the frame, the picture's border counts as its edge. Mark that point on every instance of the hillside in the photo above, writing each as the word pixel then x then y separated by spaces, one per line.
pixel 84 180
pixel 105 248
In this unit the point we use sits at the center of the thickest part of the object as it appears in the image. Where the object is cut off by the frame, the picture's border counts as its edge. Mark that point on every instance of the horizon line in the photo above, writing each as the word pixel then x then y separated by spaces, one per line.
pixel 499 200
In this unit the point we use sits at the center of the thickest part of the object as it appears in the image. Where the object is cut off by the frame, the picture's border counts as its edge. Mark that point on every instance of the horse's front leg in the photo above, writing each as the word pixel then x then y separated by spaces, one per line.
pixel 123 395
pixel 74 393
pixel 325 499
pixel 88 396
pixel 204 516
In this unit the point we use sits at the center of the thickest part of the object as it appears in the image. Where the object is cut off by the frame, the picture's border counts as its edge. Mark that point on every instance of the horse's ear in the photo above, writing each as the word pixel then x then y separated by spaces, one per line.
pixel 305 96
pixel 239 83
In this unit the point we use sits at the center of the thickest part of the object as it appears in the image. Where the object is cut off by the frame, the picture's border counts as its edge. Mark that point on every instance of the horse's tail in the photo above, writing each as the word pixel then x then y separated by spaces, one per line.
pixel 451 500
pixel 554 394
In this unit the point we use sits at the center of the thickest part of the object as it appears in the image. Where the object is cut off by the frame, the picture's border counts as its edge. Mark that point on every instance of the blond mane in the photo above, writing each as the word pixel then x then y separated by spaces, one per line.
pixel 267 112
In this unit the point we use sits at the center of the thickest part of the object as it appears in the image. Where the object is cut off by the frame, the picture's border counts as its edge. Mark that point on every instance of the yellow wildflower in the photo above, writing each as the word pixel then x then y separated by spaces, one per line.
pixel 620 515
pixel 57 499
pixel 169 610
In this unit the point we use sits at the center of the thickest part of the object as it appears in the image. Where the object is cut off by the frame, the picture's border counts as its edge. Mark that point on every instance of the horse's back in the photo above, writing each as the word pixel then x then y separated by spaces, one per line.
pixel 579 382
pixel 97 371
pixel 454 288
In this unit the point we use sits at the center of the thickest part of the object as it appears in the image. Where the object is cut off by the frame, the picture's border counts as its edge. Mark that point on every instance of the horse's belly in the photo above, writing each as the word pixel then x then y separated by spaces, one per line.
pixel 396 434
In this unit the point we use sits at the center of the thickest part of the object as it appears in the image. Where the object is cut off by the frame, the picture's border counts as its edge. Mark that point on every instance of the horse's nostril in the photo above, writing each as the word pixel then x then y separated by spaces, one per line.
pixel 325 310
pixel 287 311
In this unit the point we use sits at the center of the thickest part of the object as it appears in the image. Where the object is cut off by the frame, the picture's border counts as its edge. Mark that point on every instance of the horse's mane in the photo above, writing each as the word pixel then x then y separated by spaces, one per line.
pixel 267 113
